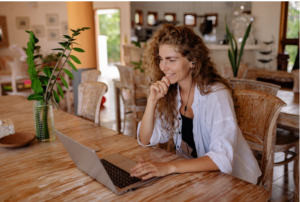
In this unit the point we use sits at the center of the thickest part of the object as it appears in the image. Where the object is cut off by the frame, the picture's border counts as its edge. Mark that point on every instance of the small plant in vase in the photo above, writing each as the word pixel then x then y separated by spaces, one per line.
pixel 234 54
pixel 44 80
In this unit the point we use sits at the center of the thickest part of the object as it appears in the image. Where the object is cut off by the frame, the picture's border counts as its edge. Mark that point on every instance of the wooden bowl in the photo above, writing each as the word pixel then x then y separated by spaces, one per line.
pixel 16 140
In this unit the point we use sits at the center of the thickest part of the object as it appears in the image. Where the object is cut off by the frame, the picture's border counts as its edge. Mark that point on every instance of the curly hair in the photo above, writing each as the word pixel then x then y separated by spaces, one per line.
pixel 191 46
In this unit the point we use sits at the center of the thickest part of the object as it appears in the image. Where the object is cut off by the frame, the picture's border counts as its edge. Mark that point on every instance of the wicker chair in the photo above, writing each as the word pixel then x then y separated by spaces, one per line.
pixel 89 100
pixel 257 113
pixel 129 93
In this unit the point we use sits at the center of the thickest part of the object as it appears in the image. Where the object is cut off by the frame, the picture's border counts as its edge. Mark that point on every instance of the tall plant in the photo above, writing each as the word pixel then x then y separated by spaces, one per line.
pixel 43 85
pixel 234 54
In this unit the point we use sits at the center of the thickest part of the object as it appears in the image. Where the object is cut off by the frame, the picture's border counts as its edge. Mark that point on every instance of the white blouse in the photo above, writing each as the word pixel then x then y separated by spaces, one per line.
pixel 216 134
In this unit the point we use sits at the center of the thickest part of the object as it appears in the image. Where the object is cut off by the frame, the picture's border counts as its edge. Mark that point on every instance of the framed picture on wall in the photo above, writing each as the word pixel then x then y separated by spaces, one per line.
pixel 152 18
pixel 51 19
pixel 138 17
pixel 64 27
pixel 190 19
pixel 213 17
pixel 170 17
pixel 3 32
pixel 53 34
pixel 22 22
pixel 38 30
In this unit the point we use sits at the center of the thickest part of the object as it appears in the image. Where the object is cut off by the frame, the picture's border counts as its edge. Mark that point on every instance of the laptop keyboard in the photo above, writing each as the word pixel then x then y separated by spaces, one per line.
pixel 120 177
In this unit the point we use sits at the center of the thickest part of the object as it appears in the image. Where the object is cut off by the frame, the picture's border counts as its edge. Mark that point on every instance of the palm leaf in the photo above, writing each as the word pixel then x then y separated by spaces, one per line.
pixel 244 42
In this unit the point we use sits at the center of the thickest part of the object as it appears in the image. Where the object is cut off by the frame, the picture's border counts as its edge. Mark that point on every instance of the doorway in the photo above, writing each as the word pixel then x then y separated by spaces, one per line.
pixel 109 39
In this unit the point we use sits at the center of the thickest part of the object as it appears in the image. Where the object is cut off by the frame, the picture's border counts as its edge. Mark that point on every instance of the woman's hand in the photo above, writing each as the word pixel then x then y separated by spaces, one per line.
pixel 150 169
pixel 159 89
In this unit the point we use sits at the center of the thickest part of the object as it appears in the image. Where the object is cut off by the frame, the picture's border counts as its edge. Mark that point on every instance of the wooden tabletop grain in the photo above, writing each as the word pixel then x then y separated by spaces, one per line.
pixel 45 172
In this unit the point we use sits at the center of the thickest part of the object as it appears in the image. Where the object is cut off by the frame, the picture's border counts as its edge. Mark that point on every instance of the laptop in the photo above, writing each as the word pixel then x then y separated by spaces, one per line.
pixel 113 170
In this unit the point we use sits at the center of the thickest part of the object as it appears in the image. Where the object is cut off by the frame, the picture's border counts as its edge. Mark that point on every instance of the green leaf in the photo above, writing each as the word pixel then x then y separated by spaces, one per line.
pixel 27 31
pixel 30 47
pixel 84 28
pixel 31 38
pixel 28 52
pixel 36 85
pixel 75 59
pixel 136 63
pixel 65 45
pixel 136 43
pixel 37 56
pixel 47 71
pixel 59 54
pixel 69 73
pixel 36 40
pixel 56 97
pixel 72 66
pixel 30 62
pixel 60 91
pixel 35 97
pixel 79 50
pixel 55 103
pixel 72 30
pixel 32 72
pixel 44 80
pixel 231 59
pixel 64 82
pixel 67 36
pixel 60 49
pixel 37 47
pixel 243 44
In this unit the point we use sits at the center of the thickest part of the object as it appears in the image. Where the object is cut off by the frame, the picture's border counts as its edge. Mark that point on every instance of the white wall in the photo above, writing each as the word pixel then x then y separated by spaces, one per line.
pixel 37 16
pixel 199 7
pixel 267 24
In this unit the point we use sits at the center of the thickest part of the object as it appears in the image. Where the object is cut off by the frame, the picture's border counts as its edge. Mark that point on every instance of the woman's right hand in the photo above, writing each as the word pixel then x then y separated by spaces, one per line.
pixel 159 89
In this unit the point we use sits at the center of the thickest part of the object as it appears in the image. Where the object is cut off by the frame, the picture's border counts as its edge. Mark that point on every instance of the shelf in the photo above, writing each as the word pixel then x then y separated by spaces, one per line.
pixel 226 47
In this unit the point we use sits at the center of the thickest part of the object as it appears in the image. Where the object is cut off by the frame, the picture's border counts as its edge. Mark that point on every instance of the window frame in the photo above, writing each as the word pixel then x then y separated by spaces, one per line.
pixel 155 18
pixel 173 14
pixel 193 14
pixel 140 12
pixel 283 41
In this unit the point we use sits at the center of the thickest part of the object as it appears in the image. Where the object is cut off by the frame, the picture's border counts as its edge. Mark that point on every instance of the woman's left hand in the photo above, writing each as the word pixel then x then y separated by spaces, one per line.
pixel 147 170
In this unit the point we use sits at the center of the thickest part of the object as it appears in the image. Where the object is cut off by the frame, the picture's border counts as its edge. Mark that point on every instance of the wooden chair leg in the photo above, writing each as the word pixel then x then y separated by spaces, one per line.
pixel 296 175
pixel 124 121
pixel 134 124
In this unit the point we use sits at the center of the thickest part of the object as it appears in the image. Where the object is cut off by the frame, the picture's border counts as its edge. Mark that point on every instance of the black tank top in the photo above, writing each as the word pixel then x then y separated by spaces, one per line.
pixel 187 134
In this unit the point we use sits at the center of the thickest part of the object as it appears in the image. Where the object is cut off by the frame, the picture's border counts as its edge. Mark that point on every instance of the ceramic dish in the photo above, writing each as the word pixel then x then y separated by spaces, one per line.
pixel 16 140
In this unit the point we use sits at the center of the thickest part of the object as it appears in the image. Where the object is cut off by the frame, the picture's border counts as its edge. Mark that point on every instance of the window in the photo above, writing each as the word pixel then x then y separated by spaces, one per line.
pixel 289 31
pixel 190 19
pixel 170 17
pixel 138 17
pixel 152 18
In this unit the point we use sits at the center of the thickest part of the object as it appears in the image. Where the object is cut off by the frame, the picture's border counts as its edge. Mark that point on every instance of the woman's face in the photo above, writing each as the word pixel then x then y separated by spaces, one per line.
pixel 175 67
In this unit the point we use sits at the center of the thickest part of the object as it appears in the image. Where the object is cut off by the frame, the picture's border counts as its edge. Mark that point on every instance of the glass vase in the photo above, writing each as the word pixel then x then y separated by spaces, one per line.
pixel 43 121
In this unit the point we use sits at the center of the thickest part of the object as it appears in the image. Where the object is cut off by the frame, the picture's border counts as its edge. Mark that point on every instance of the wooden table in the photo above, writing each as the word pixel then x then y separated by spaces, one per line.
pixel 45 172
pixel 289 115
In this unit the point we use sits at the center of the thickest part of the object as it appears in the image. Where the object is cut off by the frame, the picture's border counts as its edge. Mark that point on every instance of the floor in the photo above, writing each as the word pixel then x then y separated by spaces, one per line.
pixel 283 182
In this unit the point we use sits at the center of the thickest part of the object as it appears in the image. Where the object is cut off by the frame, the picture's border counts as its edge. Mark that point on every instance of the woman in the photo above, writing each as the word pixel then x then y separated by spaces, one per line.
pixel 190 102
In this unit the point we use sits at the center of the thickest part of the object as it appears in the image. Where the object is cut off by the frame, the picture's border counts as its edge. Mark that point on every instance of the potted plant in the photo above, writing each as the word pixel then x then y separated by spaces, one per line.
pixel 234 54
pixel 44 80
pixel 138 65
